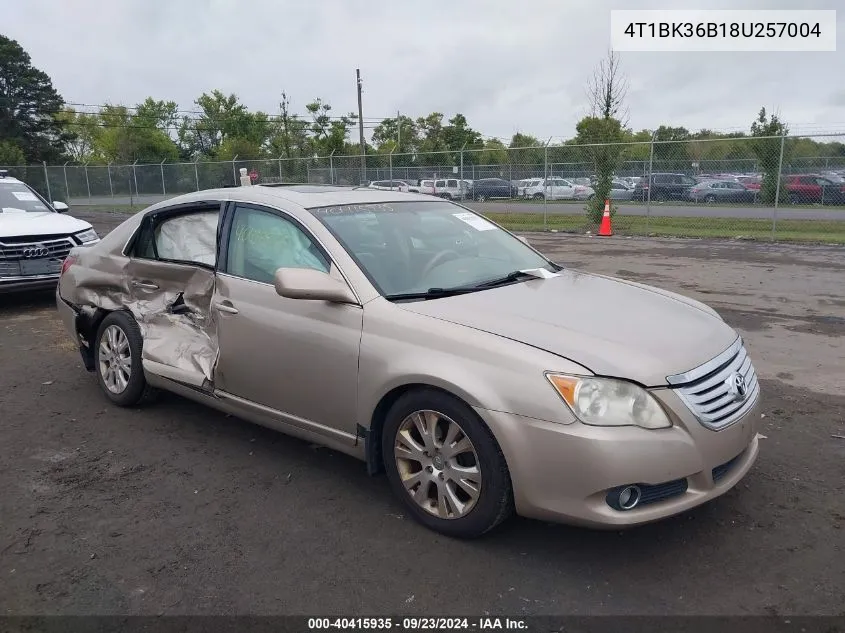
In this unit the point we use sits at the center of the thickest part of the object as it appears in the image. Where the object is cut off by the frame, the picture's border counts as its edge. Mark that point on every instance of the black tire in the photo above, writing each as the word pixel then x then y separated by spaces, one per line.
pixel 794 198
pixel 538 196
pixel 137 390
pixel 495 501
pixel 481 198
pixel 710 199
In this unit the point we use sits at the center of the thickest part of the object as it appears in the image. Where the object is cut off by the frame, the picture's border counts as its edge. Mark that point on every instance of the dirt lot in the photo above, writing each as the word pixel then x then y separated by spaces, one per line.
pixel 177 509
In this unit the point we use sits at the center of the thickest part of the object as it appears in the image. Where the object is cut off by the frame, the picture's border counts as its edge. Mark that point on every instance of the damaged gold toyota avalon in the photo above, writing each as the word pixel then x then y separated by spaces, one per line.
pixel 416 335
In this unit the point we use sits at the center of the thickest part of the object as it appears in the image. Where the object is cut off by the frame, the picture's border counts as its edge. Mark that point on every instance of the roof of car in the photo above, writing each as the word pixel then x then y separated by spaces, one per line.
pixel 303 195
pixel 4 177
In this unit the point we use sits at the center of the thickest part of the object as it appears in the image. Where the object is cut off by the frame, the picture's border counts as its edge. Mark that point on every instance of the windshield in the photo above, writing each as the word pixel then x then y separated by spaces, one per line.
pixel 16 197
pixel 411 247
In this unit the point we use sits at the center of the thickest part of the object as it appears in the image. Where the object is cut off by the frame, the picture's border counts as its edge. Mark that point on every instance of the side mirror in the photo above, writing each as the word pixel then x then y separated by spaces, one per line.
pixel 61 207
pixel 315 285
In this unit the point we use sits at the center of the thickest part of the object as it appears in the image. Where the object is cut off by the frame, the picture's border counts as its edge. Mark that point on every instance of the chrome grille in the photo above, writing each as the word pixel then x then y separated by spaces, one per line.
pixel 17 261
pixel 55 247
pixel 707 391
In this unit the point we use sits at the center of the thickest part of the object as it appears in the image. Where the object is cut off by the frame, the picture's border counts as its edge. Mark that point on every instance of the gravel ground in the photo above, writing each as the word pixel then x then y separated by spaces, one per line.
pixel 177 509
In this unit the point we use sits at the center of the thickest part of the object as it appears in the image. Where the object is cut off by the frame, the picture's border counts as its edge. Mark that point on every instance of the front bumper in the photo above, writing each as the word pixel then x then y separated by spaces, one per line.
pixel 563 472
pixel 28 283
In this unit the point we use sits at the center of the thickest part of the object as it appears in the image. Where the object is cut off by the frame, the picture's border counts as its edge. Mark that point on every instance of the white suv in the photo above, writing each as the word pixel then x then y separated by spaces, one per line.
pixel 35 237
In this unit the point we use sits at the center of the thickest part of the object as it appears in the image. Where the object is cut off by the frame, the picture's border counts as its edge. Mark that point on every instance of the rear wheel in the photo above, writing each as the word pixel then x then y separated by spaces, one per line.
pixel 794 198
pixel 445 465
pixel 538 196
pixel 117 359
pixel 710 199
pixel 481 198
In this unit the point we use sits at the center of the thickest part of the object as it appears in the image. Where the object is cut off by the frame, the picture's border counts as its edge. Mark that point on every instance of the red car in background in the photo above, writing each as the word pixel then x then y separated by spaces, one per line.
pixel 751 182
pixel 813 189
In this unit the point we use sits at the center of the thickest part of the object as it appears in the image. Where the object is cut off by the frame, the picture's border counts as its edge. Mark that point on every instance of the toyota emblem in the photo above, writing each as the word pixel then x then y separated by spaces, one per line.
pixel 737 386
pixel 36 251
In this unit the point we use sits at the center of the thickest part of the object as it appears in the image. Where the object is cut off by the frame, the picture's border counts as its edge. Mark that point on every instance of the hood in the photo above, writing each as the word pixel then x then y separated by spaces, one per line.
pixel 22 223
pixel 610 326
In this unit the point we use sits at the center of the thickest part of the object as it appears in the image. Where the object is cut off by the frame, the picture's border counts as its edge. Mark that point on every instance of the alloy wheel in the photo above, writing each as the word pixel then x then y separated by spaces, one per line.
pixel 437 464
pixel 115 358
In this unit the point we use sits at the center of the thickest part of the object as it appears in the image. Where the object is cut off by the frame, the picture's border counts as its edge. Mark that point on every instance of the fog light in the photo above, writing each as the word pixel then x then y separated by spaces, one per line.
pixel 624 498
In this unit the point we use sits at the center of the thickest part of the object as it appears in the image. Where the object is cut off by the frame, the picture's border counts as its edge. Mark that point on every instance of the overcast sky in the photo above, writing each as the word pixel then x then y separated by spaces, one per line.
pixel 507 65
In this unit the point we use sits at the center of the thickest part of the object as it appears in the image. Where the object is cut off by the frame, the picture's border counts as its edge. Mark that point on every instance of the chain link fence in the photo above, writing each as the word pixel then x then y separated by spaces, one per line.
pixel 745 187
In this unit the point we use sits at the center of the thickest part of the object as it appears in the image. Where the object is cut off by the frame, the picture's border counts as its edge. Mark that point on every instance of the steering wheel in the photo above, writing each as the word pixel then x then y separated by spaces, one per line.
pixel 439 258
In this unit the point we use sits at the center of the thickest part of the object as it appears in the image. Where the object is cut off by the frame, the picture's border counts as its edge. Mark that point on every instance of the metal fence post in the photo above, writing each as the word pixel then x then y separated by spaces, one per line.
pixel 111 187
pixel 390 167
pixel 161 166
pixel 234 173
pixel 135 177
pixel 648 181
pixel 197 174
pixel 47 182
pixel 87 182
pixel 67 189
pixel 461 183
pixel 331 167
pixel 777 187
pixel 546 185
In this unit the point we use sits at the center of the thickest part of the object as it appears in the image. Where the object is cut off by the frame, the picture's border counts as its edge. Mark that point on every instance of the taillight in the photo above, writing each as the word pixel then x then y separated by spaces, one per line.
pixel 70 260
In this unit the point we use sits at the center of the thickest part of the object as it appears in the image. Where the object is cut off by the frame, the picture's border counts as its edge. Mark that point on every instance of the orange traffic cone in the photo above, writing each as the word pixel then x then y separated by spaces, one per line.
pixel 605 229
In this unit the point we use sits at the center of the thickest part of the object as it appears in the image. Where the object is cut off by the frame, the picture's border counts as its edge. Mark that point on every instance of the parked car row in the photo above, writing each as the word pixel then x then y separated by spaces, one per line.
pixel 827 188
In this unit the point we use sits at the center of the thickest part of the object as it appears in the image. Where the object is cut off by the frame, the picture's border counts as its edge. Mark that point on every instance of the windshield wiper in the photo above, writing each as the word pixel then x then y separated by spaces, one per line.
pixel 517 275
pixel 432 293
pixel 436 293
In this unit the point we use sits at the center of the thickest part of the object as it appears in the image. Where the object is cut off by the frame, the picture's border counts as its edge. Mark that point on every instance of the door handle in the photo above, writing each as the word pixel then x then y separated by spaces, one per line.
pixel 145 285
pixel 225 306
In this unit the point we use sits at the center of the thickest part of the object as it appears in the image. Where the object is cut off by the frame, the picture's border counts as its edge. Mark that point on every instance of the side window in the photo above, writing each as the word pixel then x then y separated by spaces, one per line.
pixel 452 183
pixel 191 237
pixel 261 242
pixel 440 184
pixel 187 237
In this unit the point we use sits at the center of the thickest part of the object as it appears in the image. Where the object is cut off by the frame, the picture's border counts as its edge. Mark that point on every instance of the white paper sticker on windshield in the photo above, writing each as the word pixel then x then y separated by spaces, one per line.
pixel 25 196
pixel 476 222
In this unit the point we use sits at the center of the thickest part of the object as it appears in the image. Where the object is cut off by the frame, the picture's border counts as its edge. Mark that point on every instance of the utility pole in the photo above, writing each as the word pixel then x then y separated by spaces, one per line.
pixel 361 130
pixel 398 131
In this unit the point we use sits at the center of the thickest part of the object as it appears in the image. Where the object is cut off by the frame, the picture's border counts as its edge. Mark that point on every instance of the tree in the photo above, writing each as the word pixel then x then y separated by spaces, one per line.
pixel 288 134
pixel 604 129
pixel 399 134
pixel 431 140
pixel 494 153
pixel 767 130
pixel 86 132
pixel 29 106
pixel 459 136
pixel 329 133
pixel 526 150
pixel 11 155
pixel 223 117
pixel 138 134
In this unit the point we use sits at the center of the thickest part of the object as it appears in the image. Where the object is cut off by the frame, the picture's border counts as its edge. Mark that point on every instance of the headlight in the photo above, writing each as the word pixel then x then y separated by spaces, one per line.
pixel 88 235
pixel 609 402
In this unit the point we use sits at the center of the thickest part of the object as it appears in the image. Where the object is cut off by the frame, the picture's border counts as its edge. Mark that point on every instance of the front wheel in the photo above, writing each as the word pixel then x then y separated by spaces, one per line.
pixel 117 357
pixel 710 199
pixel 445 465
pixel 481 198
pixel 538 196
